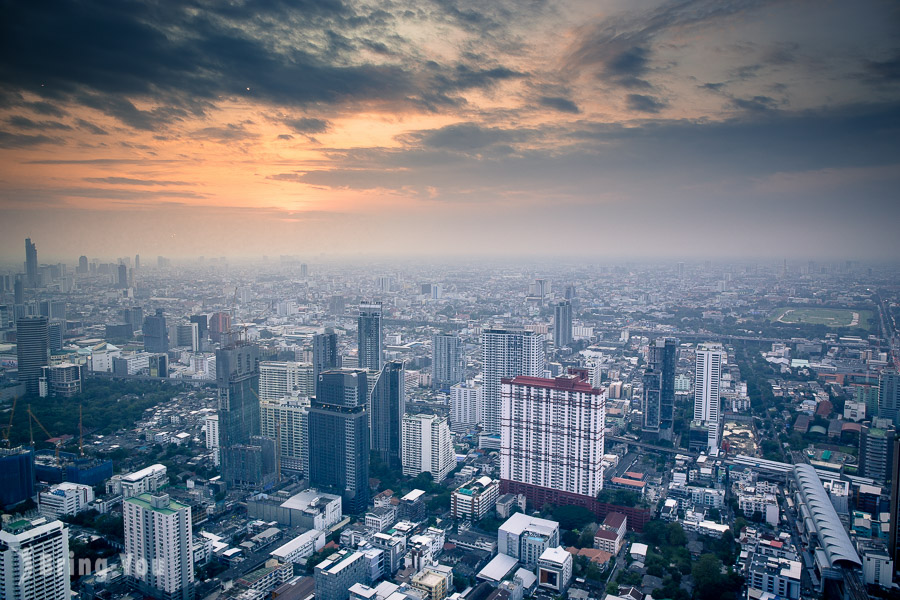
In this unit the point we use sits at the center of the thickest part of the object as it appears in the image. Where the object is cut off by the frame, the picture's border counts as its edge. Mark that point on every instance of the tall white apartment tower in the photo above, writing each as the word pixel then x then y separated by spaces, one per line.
pixel 552 436
pixel 506 353
pixel 159 559
pixel 211 429
pixel 34 560
pixel 466 400
pixel 287 422
pixel 280 379
pixel 427 446
pixel 707 377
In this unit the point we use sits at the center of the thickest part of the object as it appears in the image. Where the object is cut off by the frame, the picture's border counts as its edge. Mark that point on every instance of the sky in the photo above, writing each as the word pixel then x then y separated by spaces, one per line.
pixel 627 128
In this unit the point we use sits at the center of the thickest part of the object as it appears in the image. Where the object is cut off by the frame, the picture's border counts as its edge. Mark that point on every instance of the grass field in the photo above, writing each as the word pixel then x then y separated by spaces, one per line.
pixel 832 317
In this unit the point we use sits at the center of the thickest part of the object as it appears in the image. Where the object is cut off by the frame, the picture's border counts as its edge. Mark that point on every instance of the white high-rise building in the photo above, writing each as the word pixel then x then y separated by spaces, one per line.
pixel 280 379
pixel 447 360
pixel 707 377
pixel 507 353
pixel 148 479
pixel 552 435
pixel 466 401
pixel 287 422
pixel 34 560
pixel 427 446
pixel 211 428
pixel 159 558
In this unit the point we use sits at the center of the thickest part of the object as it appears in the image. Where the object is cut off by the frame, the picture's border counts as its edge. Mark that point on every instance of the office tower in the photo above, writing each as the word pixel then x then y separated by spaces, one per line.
pixel 427 446
pixel 122 276
pixel 188 335
pixel 82 264
pixel 659 390
pixel 570 292
pixel 287 422
pixel 55 334
pixel 282 379
pixel 337 305
pixel 552 436
pixel 386 408
pixel 370 335
pixel 17 475
pixel 137 261
pixel 159 558
pixel 707 375
pixel 33 350
pixel 62 380
pixel 466 400
pixel 219 326
pixel 31 264
pixel 339 438
pixel 18 291
pixel 304 270
pixel 326 355
pixel 506 353
pixel 156 334
pixel 562 324
pixel 202 330
pixel 894 506
pixel 447 361
pixel 237 378
pixel 889 396
pixel 876 450
pixel 34 560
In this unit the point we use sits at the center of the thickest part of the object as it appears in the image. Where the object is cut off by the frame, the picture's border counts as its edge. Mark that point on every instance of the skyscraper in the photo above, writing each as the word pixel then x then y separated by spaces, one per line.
pixel 339 437
pixel 122 276
pixel 552 436
pixel 370 335
pixel 18 291
pixel 31 264
pixel 82 265
pixel 33 350
pixel 466 400
pixel 159 558
pixel 447 362
pixel 156 334
pixel 219 326
pixel 707 375
pixel 889 396
pixel 34 560
pixel 427 446
pixel 326 355
pixel 506 353
pixel 562 324
pixel 202 322
pixel 387 406
pixel 287 422
pixel 876 450
pixel 281 379
pixel 659 390
pixel 237 377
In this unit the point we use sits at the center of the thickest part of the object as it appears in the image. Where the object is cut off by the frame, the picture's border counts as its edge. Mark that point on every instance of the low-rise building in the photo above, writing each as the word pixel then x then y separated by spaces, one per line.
pixel 507 503
pixel 64 499
pixel 336 574
pixel 297 549
pixel 381 518
pixel 525 538
pixel 473 500
pixel 554 569
pixel 610 536
pixel 778 576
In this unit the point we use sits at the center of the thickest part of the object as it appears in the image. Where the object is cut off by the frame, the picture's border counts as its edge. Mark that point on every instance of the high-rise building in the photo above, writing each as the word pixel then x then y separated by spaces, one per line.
pixel 33 350
pixel 18 291
pixel 659 390
pixel 707 376
pixel 427 446
pixel 219 326
pixel 386 408
pixel 466 401
pixel 62 380
pixel 237 378
pixel 370 335
pixel 562 324
pixel 202 322
pixel 287 422
pixel 34 560
pixel 889 396
pixel 339 437
pixel 211 430
pixel 31 264
pixel 17 475
pixel 188 335
pixel 159 558
pixel 506 353
pixel 156 334
pixel 82 265
pixel 55 335
pixel 282 379
pixel 122 276
pixel 894 506
pixel 137 261
pixel 552 436
pixel 447 361
pixel 326 354
pixel 876 450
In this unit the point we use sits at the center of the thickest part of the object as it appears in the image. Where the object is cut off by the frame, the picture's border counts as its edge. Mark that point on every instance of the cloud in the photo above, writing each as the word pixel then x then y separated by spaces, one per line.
pixel 885 71
pixel 559 103
pixel 91 127
pixel 230 132
pixel 18 140
pixel 20 122
pixel 307 125
pixel 755 104
pixel 463 137
pixel 642 103
pixel 132 181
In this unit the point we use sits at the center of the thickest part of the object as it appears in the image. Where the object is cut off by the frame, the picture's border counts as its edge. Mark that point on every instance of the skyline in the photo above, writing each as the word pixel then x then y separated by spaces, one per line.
pixel 688 129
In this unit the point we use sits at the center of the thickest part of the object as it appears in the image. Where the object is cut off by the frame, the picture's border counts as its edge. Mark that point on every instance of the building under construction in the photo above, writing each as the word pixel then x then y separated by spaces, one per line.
pixel 70 467
pixel 17 474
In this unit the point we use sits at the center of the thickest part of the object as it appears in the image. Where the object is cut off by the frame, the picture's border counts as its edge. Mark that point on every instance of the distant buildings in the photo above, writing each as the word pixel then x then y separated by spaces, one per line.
pixel 562 324
pixel 552 436
pixel 658 406
pixel 33 351
pixel 31 264
pixel 386 409
pixel 427 446
pixel 34 560
pixel 506 353
pixel 284 379
pixel 237 378
pixel 326 354
pixel 447 361
pixel 370 335
pixel 339 437
pixel 156 334
pixel 710 359
pixel 158 558
pixel 466 402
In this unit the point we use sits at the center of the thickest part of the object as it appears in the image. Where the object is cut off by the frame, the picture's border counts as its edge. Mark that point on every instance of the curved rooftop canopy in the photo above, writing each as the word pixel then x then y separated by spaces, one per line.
pixel 832 536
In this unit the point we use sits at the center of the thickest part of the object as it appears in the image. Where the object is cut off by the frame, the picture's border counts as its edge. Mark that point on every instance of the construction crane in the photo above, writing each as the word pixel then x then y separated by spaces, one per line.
pixel 32 416
pixel 7 430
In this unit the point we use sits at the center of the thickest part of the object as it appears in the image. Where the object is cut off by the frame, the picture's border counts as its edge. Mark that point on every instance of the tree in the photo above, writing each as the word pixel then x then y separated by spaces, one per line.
pixel 612 588
pixel 586 539
pixel 675 535
pixel 655 532
pixel 708 578
pixel 572 517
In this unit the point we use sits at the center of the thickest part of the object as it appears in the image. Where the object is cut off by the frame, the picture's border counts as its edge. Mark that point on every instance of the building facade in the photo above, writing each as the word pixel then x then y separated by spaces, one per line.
pixel 32 350
pixel 562 324
pixel 237 379
pixel 370 335
pixel 427 446
pixel 34 560
pixel 506 353
pixel 707 377
pixel 466 401
pixel 447 366
pixel 387 406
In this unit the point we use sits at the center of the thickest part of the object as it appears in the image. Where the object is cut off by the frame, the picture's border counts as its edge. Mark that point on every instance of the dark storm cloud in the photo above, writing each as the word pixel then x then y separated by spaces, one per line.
pixel 559 103
pixel 19 140
pixel 231 132
pixel 184 57
pixel 643 103
pixel 20 122
pixel 463 137
pixel 45 108
pixel 307 125
pixel 755 104
pixel 883 71
pixel 91 127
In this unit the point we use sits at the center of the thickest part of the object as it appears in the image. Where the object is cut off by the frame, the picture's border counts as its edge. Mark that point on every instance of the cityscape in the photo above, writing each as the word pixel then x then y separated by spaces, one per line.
pixel 450 300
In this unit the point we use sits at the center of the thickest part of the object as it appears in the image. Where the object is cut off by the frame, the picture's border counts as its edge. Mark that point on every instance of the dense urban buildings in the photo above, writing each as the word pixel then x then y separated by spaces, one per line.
pixel 370 335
